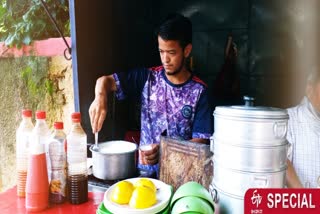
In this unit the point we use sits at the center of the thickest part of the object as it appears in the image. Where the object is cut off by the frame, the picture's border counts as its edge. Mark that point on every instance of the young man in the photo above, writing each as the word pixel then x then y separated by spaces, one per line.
pixel 172 98
pixel 304 137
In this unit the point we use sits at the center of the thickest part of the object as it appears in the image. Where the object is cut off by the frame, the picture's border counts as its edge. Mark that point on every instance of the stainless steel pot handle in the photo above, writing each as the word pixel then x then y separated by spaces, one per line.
pixel 260 182
pixel 211 144
pixel 280 129
pixel 248 101
pixel 214 193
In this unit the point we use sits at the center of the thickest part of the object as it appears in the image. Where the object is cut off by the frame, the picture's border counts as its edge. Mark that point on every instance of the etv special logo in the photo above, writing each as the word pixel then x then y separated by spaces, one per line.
pixel 279 200
pixel 256 199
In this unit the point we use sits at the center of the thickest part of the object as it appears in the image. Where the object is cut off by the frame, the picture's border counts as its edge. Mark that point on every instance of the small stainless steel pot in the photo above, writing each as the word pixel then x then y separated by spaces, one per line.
pixel 114 160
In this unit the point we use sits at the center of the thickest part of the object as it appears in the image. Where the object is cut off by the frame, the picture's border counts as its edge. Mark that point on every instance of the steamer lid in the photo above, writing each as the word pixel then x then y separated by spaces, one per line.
pixel 258 112
pixel 250 111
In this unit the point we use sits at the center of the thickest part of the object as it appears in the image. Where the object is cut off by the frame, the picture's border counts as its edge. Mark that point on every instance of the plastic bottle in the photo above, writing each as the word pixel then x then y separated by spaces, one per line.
pixel 77 162
pixel 22 140
pixel 37 189
pixel 57 155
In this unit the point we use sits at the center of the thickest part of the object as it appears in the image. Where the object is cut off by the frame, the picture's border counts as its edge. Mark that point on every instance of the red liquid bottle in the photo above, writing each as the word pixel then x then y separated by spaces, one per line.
pixel 37 187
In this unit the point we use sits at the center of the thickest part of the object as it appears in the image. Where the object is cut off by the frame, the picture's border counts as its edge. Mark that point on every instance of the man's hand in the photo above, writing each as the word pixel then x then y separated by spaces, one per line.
pixel 98 112
pixel 152 156
pixel 292 178
pixel 98 108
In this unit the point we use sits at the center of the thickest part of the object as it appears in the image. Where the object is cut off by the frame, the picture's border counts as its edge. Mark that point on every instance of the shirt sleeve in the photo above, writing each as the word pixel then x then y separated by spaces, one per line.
pixel 203 121
pixel 130 84
pixel 290 138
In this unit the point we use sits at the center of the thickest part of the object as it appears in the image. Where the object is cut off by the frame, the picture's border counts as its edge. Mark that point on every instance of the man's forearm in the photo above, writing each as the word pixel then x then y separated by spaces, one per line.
pixel 105 85
pixel 200 140
pixel 292 178
pixel 99 107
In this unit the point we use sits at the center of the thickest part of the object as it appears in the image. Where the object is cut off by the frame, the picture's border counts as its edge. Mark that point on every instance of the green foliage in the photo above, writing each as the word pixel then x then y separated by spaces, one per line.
pixel 40 88
pixel 26 75
pixel 22 21
pixel 33 75
pixel 49 86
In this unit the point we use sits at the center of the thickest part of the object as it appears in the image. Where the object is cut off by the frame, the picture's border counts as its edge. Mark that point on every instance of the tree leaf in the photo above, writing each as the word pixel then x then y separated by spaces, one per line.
pixel 9 40
pixel 26 40
pixel 19 18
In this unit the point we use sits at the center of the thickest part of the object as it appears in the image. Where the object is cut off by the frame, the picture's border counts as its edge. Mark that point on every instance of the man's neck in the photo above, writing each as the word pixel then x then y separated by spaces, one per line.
pixel 180 77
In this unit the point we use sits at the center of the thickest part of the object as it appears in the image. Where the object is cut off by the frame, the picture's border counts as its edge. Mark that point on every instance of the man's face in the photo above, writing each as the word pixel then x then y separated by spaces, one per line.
pixel 172 55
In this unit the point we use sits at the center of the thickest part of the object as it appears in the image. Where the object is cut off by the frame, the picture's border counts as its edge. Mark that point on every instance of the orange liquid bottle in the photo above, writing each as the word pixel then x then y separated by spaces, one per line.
pixel 22 143
pixel 37 187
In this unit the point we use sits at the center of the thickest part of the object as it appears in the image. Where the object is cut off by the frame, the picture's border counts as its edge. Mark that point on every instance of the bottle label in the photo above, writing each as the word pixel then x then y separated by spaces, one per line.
pixel 58 174
pixel 58 183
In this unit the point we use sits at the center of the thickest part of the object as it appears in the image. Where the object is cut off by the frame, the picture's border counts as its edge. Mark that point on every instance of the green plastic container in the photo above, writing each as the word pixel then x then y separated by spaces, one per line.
pixel 192 189
pixel 191 204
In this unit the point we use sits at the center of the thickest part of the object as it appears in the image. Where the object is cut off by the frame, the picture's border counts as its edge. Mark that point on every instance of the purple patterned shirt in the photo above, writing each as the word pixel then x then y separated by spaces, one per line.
pixel 182 110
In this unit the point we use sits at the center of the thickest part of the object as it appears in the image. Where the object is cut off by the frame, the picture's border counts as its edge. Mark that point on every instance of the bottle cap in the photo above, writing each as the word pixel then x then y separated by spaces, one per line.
pixel 76 117
pixel 27 112
pixel 58 125
pixel 40 114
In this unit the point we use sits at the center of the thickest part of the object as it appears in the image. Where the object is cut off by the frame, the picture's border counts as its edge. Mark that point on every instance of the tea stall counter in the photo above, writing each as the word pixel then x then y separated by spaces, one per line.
pixel 10 203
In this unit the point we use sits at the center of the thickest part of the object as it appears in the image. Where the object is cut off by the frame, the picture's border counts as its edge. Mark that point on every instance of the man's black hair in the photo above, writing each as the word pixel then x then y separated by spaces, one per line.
pixel 176 27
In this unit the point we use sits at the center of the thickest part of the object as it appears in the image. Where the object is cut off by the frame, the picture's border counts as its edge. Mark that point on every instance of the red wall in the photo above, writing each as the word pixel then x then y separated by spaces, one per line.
pixel 49 47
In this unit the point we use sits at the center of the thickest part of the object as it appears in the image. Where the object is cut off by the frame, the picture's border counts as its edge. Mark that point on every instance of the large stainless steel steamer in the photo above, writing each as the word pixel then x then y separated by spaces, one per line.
pixel 249 151
pixel 261 159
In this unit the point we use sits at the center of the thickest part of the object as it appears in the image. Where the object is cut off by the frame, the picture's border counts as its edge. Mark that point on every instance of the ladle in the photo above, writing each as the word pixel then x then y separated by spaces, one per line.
pixel 96 147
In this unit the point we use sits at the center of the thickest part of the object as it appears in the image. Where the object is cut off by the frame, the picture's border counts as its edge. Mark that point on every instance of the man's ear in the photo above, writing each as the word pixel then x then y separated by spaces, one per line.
pixel 187 50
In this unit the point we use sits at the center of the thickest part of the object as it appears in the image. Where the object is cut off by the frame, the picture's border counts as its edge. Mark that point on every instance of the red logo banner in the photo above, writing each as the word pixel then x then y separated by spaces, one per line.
pixel 265 201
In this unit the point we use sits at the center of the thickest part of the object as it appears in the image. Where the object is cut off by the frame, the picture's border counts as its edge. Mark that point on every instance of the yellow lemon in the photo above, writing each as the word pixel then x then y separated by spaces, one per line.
pixel 122 192
pixel 143 197
pixel 145 182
